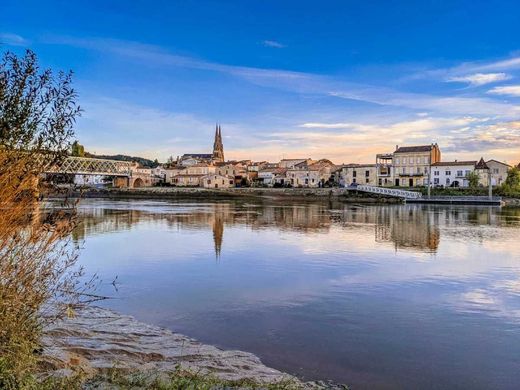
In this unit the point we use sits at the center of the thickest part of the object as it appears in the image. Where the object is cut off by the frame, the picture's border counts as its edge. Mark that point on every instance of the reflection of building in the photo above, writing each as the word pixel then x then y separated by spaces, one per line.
pixel 411 227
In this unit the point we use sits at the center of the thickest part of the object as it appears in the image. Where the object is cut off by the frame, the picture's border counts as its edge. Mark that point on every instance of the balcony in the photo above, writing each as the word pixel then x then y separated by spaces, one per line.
pixel 415 174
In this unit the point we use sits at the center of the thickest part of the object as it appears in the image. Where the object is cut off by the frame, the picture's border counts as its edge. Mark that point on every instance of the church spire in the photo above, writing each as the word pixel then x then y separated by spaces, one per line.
pixel 218 147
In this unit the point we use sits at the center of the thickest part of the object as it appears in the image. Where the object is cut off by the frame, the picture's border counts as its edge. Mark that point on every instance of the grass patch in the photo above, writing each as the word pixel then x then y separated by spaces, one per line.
pixel 180 379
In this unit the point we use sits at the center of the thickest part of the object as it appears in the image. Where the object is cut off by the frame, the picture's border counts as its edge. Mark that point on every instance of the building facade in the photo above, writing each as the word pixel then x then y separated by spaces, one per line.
pixel 451 173
pixel 217 181
pixel 354 174
pixel 412 164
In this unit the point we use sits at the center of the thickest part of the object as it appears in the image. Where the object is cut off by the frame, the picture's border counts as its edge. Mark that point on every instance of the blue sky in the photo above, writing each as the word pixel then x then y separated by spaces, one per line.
pixel 329 79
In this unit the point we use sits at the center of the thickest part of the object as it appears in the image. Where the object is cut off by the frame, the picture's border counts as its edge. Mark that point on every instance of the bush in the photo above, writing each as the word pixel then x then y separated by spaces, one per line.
pixel 38 278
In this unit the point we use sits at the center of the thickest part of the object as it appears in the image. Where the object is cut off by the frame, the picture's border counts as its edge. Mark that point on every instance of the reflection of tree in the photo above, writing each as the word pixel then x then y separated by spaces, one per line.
pixel 416 227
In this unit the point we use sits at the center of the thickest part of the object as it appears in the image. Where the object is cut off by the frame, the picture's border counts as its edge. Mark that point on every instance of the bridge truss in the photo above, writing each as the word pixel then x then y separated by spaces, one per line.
pixel 92 166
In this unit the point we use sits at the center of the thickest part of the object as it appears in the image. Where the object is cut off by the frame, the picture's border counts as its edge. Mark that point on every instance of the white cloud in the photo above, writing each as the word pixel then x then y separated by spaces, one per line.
pixel 275 44
pixel 299 82
pixel 12 39
pixel 478 79
pixel 511 90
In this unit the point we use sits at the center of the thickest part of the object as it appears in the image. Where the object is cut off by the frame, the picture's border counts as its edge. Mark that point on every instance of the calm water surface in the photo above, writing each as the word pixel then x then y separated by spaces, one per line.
pixel 378 297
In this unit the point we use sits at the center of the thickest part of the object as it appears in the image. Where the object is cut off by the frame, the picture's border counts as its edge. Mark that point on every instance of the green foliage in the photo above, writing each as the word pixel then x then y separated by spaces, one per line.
pixel 78 150
pixel 513 179
pixel 182 379
pixel 144 162
pixel 473 179
pixel 37 108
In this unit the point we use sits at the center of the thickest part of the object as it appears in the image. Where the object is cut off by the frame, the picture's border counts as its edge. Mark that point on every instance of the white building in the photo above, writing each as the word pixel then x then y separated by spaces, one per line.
pixel 451 173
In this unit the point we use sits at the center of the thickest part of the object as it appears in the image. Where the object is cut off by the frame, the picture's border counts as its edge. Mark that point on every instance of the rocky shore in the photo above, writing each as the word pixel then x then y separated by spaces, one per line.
pixel 98 340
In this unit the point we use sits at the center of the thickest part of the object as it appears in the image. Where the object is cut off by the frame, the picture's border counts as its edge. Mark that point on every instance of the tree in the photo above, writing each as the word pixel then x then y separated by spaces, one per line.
pixel 473 179
pixel 37 260
pixel 78 150
pixel 513 178
pixel 37 108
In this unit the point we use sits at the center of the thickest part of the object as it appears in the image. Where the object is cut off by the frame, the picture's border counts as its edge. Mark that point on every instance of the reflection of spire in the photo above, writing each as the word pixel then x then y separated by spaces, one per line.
pixel 218 233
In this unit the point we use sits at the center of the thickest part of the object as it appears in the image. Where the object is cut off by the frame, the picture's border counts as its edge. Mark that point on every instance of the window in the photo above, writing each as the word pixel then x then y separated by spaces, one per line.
pixel 354 174
pixel 447 181
pixel 448 173
pixel 418 169
pixel 397 161
pixel 367 173
pixel 367 180
pixel 460 173
pixel 404 160
pixel 436 180
pixel 231 182
pixel 495 170
pixel 418 160
pixel 404 170
pixel 436 173
pixel 354 181
pixel 468 172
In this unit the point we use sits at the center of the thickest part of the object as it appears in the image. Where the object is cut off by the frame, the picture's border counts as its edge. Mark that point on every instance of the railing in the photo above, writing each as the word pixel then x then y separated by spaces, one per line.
pixel 92 166
pixel 388 191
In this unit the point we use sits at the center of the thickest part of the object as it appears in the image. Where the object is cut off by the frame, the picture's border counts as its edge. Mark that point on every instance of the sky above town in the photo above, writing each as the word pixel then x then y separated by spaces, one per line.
pixel 342 80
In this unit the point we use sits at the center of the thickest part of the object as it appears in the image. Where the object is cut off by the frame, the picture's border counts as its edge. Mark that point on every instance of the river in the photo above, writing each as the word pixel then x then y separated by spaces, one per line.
pixel 378 297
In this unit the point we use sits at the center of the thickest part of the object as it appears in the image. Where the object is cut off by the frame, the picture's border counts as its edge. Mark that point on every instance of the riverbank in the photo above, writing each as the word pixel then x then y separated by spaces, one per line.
pixel 281 194
pixel 338 194
pixel 100 344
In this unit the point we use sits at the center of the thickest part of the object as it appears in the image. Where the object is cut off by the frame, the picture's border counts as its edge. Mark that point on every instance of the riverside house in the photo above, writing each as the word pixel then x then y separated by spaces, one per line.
pixel 358 174
pixel 451 173
pixel 217 181
pixel 191 176
pixel 412 164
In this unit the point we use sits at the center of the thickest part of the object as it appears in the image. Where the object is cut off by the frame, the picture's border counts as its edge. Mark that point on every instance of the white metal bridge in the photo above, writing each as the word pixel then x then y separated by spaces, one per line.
pixel 396 193
pixel 91 166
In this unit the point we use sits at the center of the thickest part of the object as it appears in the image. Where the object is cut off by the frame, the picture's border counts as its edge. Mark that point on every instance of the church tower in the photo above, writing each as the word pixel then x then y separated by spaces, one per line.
pixel 218 147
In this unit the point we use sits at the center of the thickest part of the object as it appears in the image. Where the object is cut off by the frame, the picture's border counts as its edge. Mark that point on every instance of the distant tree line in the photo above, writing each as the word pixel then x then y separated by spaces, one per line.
pixel 78 150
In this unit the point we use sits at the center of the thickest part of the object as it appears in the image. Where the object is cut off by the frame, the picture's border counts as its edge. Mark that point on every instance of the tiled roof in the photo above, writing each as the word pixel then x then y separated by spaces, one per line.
pixel 197 155
pixel 481 164
pixel 500 162
pixel 453 163
pixel 414 149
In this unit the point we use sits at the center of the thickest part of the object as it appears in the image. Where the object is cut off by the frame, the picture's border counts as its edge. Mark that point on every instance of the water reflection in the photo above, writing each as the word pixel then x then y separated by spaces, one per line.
pixel 411 227
pixel 385 297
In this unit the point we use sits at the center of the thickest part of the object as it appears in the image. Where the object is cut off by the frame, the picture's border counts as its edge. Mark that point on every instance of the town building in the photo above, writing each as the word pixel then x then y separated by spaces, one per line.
pixel 353 174
pixel 385 170
pixel 191 176
pixel 412 164
pixel 271 176
pixel 451 173
pixel 237 170
pixel 290 163
pixel 499 171
pixel 217 181
pixel 492 169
